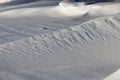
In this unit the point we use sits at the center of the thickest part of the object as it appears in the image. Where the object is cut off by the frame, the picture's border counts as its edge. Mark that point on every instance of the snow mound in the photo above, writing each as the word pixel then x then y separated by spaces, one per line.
pixel 52 43
pixel 93 46
pixel 101 9
pixel 114 76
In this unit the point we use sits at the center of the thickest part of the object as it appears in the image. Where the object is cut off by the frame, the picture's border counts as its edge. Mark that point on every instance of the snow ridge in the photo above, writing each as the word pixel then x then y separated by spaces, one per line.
pixel 41 50
pixel 92 46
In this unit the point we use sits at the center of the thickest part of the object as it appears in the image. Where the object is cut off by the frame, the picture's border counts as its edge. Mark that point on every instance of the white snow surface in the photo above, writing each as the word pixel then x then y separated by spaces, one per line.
pixel 114 76
pixel 65 41
pixel 5 1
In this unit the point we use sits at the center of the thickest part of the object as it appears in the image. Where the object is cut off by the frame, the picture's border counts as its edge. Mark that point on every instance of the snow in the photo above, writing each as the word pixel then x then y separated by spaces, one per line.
pixel 60 41
pixel 114 76
pixel 4 1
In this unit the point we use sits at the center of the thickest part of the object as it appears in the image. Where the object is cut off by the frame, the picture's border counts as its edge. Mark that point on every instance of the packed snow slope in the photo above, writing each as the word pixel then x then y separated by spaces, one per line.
pixel 52 42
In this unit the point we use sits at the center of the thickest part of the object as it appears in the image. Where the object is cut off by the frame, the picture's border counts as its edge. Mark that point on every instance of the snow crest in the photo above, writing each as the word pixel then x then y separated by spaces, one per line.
pixel 92 44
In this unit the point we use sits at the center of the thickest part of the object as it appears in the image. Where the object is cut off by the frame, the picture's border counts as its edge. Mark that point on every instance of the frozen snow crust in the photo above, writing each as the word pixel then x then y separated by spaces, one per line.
pixel 89 51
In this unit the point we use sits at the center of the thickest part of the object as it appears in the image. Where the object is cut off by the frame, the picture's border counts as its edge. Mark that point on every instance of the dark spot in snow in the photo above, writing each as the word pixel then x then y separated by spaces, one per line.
pixel 45 28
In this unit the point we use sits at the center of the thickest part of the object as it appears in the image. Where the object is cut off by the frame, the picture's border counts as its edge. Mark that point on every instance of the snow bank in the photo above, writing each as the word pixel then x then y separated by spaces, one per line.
pixel 73 53
pixel 87 51
pixel 101 9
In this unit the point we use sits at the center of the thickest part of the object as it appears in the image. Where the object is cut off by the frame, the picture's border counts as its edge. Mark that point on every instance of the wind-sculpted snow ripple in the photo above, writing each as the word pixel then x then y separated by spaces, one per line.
pixel 91 44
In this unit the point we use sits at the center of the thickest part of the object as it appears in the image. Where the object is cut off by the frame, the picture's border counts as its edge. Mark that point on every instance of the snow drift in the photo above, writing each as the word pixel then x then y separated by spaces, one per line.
pixel 92 46
pixel 54 43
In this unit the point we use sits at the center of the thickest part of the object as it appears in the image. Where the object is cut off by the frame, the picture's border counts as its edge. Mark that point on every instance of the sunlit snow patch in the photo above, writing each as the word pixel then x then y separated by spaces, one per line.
pixel 72 9
pixel 4 1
